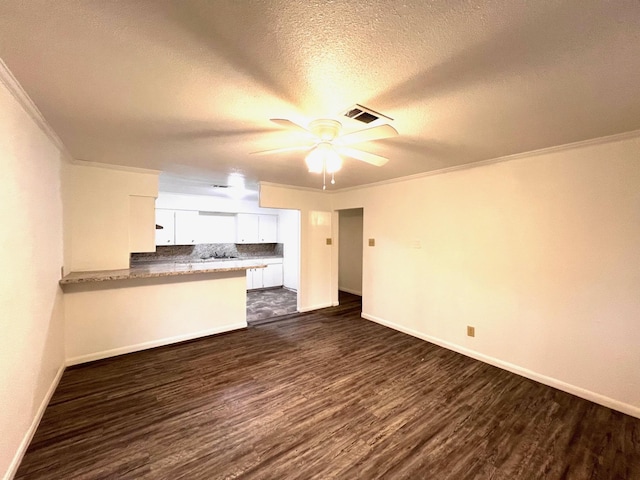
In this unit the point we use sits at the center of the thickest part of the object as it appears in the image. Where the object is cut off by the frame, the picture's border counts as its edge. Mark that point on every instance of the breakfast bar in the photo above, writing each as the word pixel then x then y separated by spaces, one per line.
pixel 113 312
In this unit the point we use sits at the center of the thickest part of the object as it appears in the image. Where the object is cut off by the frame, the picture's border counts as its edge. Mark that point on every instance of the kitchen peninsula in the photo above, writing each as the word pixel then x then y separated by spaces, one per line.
pixel 112 312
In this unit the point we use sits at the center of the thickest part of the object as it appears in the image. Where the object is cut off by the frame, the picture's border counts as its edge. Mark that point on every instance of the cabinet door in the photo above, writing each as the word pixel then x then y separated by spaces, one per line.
pixel 187 227
pixel 268 229
pixel 250 278
pixel 272 275
pixel 247 231
pixel 165 219
pixel 254 278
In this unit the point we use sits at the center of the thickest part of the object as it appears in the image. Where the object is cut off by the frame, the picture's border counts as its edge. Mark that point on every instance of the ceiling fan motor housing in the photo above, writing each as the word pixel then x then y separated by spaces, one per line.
pixel 325 129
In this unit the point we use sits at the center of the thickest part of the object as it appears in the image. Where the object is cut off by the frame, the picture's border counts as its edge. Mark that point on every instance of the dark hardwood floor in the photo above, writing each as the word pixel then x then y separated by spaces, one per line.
pixel 321 395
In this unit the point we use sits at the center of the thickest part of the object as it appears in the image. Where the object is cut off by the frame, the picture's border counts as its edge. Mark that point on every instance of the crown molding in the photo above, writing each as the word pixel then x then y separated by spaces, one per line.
pixel 113 166
pixel 292 187
pixel 22 97
pixel 507 158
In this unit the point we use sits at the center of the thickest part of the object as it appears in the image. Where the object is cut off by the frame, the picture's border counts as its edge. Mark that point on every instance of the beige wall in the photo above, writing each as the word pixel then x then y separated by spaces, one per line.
pixel 98 207
pixel 350 251
pixel 289 236
pixel 318 272
pixel 540 254
pixel 31 255
pixel 111 318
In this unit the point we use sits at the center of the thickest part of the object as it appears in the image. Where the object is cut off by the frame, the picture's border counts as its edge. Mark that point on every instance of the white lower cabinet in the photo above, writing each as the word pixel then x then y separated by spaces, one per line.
pixel 254 278
pixel 271 276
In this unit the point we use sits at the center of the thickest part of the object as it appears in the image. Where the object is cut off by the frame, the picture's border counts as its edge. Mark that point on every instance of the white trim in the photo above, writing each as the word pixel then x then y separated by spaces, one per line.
pixel 113 166
pixel 22 449
pixel 152 344
pixel 490 161
pixel 316 307
pixel 291 187
pixel 538 377
pixel 22 97
pixel 465 166
pixel 351 291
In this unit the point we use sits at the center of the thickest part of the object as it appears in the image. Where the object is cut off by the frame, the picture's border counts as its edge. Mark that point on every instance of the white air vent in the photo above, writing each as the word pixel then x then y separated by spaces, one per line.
pixel 364 114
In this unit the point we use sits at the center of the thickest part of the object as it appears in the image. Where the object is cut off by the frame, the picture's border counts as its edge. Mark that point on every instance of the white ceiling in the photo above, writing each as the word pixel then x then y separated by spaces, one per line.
pixel 188 86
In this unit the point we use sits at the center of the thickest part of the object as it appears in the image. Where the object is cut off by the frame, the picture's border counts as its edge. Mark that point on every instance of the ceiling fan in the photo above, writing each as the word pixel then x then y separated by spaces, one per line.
pixel 325 145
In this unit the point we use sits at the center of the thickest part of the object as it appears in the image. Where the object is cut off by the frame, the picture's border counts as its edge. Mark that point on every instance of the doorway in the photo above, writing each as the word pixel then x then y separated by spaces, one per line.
pixel 350 250
pixel 267 304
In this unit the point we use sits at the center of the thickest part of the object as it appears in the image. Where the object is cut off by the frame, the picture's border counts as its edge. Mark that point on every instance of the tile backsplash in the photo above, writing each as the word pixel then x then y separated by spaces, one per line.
pixel 206 251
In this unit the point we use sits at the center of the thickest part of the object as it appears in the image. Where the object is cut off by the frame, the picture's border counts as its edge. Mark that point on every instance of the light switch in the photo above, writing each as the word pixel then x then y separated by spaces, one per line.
pixel 329 242
pixel 372 242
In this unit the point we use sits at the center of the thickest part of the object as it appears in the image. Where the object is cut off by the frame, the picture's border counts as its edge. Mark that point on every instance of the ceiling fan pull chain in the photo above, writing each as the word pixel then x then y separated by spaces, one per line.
pixel 333 180
pixel 324 176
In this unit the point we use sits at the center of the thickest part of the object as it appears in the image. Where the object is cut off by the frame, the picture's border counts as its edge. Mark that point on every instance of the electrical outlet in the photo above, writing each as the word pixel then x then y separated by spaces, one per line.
pixel 372 242
pixel 329 241
pixel 471 331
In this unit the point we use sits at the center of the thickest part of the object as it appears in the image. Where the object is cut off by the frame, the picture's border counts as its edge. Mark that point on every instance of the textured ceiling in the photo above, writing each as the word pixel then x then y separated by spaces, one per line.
pixel 188 86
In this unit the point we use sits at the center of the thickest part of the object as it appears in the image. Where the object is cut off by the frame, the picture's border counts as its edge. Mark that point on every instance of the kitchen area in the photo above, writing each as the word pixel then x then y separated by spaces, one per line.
pixel 149 267
pixel 217 233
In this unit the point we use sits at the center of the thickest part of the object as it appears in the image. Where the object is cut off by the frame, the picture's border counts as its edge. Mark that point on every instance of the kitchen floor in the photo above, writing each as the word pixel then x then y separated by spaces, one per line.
pixel 270 303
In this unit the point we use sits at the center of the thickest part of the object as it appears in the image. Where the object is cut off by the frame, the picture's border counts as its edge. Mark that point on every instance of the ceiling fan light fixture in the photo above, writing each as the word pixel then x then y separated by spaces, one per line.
pixel 323 157
pixel 332 161
pixel 314 161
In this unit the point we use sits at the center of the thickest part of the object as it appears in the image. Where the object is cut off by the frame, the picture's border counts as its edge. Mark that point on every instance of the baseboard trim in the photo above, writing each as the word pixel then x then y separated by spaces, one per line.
pixel 22 449
pixel 155 343
pixel 540 378
pixel 316 307
pixel 352 292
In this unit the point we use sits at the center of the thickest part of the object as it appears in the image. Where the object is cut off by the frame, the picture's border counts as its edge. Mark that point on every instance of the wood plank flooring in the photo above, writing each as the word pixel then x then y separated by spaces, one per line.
pixel 321 395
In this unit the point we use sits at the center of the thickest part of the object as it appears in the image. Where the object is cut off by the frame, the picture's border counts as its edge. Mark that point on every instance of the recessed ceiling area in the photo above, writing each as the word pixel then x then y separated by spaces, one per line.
pixel 188 87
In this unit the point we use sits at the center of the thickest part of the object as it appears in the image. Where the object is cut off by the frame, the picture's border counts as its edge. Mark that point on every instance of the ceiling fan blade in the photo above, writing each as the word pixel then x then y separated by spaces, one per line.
pixel 281 150
pixel 283 122
pixel 367 157
pixel 368 134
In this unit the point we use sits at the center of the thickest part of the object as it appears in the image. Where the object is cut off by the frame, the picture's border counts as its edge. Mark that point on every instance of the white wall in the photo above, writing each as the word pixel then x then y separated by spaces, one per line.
pixel 317 269
pixel 289 236
pixel 541 254
pixel 97 203
pixel 31 255
pixel 122 316
pixel 210 203
pixel 350 251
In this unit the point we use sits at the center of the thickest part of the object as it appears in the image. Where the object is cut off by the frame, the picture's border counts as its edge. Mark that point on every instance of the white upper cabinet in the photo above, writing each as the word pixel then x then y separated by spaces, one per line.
pixel 191 227
pixel 268 228
pixel 253 228
pixel 166 220
pixel 187 227
pixel 248 225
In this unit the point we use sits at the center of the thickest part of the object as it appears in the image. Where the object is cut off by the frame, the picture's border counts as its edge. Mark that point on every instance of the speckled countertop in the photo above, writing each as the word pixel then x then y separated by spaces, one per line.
pixel 151 270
